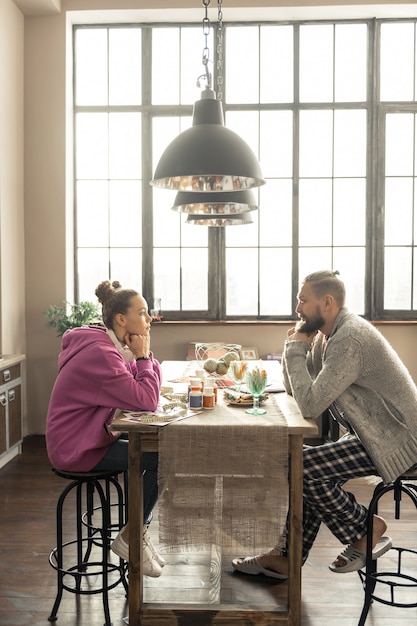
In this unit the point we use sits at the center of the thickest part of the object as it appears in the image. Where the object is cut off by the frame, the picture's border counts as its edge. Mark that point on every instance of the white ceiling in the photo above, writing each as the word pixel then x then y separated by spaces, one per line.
pixel 39 7
pixel 292 11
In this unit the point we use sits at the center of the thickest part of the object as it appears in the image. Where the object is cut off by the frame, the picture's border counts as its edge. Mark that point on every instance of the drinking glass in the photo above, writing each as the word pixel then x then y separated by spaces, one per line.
pixel 237 372
pixel 256 381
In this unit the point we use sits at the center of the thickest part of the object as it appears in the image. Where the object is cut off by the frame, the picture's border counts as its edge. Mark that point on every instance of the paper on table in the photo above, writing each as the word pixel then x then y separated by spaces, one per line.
pixel 158 418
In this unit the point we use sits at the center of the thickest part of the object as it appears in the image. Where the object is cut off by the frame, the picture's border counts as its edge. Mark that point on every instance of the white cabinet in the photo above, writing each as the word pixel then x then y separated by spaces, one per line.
pixel 11 405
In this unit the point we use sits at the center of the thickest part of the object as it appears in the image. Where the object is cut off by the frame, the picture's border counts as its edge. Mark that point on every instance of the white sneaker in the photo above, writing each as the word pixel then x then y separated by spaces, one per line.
pixel 148 542
pixel 150 565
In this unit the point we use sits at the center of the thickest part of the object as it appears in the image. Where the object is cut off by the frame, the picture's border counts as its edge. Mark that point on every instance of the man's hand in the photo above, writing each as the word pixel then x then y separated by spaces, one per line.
pixel 295 334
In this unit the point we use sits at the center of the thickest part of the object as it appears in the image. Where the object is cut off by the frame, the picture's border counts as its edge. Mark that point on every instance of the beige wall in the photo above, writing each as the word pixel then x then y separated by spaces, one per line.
pixel 12 242
pixel 44 252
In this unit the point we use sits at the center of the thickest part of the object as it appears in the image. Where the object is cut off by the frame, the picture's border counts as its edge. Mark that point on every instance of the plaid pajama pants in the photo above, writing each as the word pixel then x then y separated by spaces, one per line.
pixel 326 469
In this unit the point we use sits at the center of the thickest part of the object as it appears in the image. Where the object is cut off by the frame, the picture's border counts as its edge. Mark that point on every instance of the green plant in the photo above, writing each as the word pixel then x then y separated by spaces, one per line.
pixel 70 315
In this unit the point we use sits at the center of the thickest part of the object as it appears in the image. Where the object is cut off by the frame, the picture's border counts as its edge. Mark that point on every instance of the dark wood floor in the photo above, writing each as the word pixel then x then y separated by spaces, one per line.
pixel 29 491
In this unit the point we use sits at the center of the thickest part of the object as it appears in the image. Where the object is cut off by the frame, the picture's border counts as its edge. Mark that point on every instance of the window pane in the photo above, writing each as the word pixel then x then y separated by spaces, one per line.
pixel 397 284
pixel 125 208
pixel 167 222
pixel 246 125
pixel 241 281
pixel 350 143
pixel 316 63
pixel 91 145
pixel 91 66
pixel 351 264
pixel 192 235
pixel 125 66
pixel 126 267
pixel 399 149
pixel 275 282
pixel 397 61
pixel 314 259
pixel 165 66
pixel 315 211
pixel 194 272
pixel 316 143
pixel 276 64
pixel 167 277
pixel 242 64
pixel 349 212
pixel 350 62
pixel 276 153
pixel 92 213
pixel 125 145
pixel 398 211
pixel 244 235
pixel 275 213
pixel 93 268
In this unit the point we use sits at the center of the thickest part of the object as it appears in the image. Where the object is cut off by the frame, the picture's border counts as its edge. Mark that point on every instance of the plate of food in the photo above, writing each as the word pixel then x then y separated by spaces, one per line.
pixel 241 399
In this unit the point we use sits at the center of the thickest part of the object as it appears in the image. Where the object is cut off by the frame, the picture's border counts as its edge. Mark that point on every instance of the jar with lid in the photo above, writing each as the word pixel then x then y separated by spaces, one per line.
pixel 211 382
pixel 209 400
pixel 195 396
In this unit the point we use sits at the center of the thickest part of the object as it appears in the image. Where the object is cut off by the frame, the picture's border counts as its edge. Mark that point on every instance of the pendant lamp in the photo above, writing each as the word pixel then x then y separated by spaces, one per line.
pixel 208 157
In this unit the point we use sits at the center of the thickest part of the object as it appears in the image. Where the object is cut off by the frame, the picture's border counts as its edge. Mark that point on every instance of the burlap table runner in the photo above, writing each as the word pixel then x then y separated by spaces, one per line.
pixel 223 480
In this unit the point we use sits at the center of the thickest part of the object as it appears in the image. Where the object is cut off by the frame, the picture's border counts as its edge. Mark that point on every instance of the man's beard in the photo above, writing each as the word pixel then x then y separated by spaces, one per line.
pixel 311 324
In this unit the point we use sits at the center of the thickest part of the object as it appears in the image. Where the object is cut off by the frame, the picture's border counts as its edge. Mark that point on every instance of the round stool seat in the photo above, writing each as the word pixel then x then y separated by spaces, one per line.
pixel 82 557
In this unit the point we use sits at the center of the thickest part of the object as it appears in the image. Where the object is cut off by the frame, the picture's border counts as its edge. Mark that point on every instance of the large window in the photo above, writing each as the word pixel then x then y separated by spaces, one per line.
pixel 330 110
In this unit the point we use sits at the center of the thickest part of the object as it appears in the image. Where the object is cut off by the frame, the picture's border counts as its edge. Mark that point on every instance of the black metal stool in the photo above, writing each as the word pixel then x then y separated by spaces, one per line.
pixel 86 555
pixel 398 579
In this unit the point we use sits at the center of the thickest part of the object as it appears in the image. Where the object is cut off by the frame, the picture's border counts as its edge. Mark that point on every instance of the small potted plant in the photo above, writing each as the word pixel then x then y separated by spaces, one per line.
pixel 69 315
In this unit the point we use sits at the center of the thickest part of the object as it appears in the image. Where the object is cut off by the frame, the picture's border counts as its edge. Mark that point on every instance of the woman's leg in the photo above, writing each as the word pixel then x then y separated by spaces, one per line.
pixel 116 458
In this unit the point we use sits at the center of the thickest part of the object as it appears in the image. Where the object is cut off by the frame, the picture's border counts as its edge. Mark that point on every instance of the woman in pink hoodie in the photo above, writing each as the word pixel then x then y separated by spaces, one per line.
pixel 102 369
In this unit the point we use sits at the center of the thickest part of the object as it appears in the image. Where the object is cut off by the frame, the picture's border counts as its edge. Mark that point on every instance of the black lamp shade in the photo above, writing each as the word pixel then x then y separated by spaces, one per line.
pixel 208 157
pixel 215 204
pixel 220 220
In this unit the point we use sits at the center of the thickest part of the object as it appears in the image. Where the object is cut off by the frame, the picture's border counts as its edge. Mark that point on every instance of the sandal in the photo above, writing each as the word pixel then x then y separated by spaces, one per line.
pixel 356 559
pixel 251 565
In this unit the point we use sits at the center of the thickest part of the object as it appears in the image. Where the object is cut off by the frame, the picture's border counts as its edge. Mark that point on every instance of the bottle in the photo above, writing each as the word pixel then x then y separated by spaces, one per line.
pixel 200 373
pixel 195 397
pixel 208 397
pixel 211 382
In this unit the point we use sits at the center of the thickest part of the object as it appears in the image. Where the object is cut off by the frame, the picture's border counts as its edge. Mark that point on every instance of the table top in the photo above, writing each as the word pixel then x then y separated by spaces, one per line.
pixel 175 369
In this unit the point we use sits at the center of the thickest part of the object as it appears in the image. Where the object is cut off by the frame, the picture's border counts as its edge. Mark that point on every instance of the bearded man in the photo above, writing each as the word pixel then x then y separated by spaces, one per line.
pixel 334 359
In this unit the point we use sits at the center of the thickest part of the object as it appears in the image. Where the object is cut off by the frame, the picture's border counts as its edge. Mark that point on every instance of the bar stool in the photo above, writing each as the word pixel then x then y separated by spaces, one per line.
pixel 86 555
pixel 402 577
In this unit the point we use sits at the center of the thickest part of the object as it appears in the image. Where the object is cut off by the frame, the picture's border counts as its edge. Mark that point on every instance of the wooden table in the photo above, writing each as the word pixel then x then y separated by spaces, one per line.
pixel 144 438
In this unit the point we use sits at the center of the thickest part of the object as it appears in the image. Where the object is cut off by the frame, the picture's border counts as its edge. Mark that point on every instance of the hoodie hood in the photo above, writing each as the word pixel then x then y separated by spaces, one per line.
pixel 76 339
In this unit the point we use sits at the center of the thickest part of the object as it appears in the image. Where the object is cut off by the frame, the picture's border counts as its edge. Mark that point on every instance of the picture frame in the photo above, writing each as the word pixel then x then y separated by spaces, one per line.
pixel 249 354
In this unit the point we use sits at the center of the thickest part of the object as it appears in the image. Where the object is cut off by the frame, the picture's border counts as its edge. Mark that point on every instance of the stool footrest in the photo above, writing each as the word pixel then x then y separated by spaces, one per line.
pixel 394 581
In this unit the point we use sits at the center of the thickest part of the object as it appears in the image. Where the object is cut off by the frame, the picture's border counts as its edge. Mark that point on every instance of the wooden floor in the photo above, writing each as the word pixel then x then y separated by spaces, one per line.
pixel 29 491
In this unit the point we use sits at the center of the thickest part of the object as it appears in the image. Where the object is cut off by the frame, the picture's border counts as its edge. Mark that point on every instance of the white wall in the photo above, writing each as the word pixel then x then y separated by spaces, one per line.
pixel 45 204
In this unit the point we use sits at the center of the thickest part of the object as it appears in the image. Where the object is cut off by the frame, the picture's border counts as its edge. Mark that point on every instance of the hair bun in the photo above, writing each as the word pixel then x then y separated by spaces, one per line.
pixel 106 289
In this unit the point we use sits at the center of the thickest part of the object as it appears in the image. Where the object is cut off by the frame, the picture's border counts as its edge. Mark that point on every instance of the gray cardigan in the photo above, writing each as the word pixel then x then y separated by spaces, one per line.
pixel 357 368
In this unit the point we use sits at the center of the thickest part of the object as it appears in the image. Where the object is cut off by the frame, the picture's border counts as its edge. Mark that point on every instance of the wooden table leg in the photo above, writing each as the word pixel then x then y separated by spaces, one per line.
pixel 295 451
pixel 135 529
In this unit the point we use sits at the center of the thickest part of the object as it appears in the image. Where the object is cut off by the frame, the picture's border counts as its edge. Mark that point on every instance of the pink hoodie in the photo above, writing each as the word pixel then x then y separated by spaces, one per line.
pixel 93 381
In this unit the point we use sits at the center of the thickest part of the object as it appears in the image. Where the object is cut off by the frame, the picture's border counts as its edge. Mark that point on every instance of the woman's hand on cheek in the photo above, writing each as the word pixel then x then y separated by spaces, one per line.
pixel 139 344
